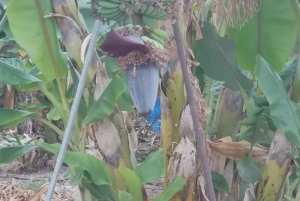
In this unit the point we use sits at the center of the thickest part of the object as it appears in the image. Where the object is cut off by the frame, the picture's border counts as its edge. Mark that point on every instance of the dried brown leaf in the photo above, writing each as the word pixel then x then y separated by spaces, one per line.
pixel 182 163
pixel 237 150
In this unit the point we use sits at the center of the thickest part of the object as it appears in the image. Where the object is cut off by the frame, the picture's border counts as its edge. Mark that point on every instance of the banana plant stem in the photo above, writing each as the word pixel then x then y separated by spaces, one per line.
pixel 74 110
pixel 55 103
pixel 190 97
pixel 52 126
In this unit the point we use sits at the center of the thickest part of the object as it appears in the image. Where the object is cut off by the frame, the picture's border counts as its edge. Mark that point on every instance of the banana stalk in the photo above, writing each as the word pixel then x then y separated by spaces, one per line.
pixel 275 172
pixel 230 104
pixel 116 149
pixel 173 89
pixel 73 31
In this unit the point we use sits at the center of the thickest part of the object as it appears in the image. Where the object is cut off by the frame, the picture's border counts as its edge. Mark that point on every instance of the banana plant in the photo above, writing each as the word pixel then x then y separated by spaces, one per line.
pixel 220 38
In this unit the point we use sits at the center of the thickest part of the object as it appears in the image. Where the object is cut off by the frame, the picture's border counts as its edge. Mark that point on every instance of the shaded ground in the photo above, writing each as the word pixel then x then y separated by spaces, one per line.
pixel 15 177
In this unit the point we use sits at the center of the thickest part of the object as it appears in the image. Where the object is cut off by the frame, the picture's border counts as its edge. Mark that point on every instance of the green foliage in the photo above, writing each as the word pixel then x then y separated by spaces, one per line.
pixel 9 154
pixel 176 186
pixel 220 182
pixel 53 114
pixel 96 168
pixel 31 107
pixel 217 58
pixel 133 182
pixel 259 130
pixel 249 170
pixel 271 35
pixel 26 24
pixel 152 168
pixel 13 76
pixel 106 103
pixel 124 196
pixel 112 67
pixel 209 93
pixel 10 118
pixel 284 112
pixel 103 192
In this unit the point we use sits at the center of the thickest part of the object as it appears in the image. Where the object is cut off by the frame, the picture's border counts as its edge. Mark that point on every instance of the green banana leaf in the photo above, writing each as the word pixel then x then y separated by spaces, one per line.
pixel 284 112
pixel 10 118
pixel 124 196
pixel 31 107
pixel 260 128
pixel 103 192
pixel 96 168
pixel 217 58
pixel 211 101
pixel 219 182
pixel 152 168
pixel 133 182
pixel 11 75
pixel 271 33
pixel 37 35
pixel 176 186
pixel 249 170
pixel 9 154
pixel 112 67
pixel 285 75
pixel 106 103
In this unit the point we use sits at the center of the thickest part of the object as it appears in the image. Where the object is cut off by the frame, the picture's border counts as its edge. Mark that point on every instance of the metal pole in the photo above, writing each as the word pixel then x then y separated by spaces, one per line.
pixel 74 110
pixel 190 97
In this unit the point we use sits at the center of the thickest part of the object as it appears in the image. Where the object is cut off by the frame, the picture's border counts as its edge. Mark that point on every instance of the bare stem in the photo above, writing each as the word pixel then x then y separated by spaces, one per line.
pixel 190 97
pixel 59 132
pixel 137 19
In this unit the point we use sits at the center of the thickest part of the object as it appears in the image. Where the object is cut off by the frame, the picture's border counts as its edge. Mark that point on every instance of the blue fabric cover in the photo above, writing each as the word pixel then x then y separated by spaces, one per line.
pixel 155 116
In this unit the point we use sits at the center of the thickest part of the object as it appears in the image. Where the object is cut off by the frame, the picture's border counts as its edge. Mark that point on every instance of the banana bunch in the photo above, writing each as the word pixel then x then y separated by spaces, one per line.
pixel 111 10
pixel 157 35
pixel 154 42
pixel 148 10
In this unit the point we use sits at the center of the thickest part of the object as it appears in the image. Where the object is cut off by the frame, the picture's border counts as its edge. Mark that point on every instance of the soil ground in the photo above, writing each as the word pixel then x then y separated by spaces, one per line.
pixel 14 177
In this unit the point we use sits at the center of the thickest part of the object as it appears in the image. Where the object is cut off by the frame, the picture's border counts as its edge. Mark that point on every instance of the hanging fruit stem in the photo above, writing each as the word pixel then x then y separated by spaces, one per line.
pixel 190 97
pixel 137 19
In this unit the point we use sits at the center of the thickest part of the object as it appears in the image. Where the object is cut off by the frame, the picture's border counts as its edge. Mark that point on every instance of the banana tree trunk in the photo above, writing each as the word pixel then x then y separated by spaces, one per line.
pixel 110 135
pixel 276 170
pixel 230 104
pixel 9 97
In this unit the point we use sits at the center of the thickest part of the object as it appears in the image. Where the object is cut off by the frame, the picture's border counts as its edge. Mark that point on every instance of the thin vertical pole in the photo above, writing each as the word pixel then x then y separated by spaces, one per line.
pixel 74 109
pixel 190 97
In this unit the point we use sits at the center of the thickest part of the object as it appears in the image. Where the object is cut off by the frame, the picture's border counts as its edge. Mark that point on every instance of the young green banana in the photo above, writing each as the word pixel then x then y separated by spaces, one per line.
pixel 106 11
pixel 149 10
pixel 160 33
pixel 155 43
pixel 108 4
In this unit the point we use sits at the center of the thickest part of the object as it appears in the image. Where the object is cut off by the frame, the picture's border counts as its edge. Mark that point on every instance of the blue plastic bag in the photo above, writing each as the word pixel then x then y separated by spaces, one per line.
pixel 155 117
